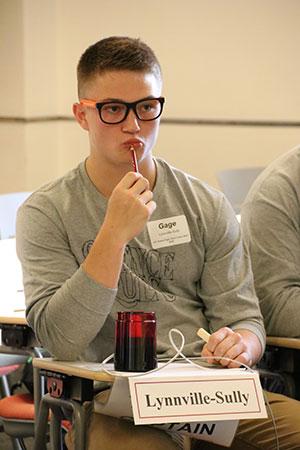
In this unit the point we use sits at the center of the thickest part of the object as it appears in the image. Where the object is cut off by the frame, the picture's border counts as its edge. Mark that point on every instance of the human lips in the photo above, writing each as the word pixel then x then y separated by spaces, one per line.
pixel 135 143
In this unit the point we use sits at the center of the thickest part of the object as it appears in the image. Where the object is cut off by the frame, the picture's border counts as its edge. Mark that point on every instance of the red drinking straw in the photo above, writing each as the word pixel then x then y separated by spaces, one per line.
pixel 134 160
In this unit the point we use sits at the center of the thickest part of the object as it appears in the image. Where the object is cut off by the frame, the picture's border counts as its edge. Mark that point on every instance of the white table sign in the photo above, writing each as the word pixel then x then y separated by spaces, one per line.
pixel 190 394
pixel 205 404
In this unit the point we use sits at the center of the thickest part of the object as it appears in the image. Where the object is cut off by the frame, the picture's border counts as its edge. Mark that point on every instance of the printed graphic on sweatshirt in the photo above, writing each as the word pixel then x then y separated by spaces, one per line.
pixel 142 276
pixel 143 273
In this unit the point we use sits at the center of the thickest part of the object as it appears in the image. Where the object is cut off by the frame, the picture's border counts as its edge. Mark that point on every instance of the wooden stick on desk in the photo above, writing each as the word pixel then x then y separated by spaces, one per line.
pixel 203 334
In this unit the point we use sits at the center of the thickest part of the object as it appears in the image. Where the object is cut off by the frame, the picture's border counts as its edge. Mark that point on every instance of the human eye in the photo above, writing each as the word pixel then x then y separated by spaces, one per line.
pixel 148 109
pixel 113 108
pixel 148 105
pixel 113 112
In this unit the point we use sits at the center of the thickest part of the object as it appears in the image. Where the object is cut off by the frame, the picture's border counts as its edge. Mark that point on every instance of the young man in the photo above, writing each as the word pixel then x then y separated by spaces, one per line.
pixel 271 227
pixel 93 243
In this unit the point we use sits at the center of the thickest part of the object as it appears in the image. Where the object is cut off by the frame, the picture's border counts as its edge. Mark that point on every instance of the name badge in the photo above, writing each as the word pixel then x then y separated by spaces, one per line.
pixel 169 231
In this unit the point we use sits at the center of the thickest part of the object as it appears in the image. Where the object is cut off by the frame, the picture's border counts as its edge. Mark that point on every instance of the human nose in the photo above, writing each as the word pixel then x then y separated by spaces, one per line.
pixel 131 123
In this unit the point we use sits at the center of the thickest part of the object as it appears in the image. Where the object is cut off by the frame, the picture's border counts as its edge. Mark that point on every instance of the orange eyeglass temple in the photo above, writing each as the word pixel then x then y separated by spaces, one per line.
pixel 86 102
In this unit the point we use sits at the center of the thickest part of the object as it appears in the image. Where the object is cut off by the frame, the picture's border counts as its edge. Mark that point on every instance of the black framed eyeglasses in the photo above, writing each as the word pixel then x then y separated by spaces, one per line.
pixel 113 112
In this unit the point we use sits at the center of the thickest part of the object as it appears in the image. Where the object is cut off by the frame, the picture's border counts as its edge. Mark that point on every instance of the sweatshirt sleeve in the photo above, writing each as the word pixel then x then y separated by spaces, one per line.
pixel 64 306
pixel 227 288
pixel 271 229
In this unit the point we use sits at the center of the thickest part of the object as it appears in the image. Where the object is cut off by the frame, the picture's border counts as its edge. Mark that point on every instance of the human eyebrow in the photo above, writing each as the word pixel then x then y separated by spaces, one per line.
pixel 111 100
pixel 120 100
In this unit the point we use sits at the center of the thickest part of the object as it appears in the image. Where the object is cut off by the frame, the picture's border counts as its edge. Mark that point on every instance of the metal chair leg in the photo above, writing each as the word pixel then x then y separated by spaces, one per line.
pixel 80 425
pixel 56 440
pixel 5 386
pixel 41 427
pixel 18 444
pixel 56 405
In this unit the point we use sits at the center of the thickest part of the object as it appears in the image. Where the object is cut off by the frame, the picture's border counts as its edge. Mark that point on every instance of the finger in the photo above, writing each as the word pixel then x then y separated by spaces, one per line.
pixel 129 180
pixel 236 350
pixel 213 361
pixel 139 186
pixel 151 207
pixel 146 197
pixel 233 354
pixel 217 337
pixel 232 345
pixel 210 358
pixel 243 358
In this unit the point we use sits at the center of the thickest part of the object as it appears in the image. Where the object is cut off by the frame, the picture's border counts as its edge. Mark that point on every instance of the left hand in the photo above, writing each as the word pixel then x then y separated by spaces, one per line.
pixel 230 344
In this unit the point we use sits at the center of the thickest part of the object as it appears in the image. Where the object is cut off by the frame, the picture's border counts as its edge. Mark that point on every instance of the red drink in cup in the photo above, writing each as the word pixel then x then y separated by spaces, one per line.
pixel 135 341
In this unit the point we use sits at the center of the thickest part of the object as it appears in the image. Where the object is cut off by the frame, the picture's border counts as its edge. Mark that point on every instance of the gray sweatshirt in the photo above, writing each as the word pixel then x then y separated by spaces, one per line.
pixel 206 282
pixel 271 228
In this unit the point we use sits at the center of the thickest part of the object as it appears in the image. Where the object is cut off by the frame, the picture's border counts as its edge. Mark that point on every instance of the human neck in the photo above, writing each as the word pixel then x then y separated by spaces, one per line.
pixel 105 178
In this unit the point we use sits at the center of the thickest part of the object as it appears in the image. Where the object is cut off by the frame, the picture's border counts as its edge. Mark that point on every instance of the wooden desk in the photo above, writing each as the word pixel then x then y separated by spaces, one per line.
pixel 90 371
pixel 286 342
pixel 13 317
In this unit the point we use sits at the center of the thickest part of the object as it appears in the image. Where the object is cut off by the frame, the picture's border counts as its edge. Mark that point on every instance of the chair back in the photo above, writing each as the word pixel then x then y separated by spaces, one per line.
pixel 235 183
pixel 9 204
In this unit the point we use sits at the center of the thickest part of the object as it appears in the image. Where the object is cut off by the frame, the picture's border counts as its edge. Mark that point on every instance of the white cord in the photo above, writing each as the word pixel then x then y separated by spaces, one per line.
pixel 176 356
pixel 126 374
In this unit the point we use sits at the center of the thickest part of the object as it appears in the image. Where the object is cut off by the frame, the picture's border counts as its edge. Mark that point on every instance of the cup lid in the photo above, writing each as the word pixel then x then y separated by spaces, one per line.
pixel 136 316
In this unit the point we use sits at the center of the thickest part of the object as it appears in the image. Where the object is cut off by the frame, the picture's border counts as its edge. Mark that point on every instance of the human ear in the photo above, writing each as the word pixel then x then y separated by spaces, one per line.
pixel 80 115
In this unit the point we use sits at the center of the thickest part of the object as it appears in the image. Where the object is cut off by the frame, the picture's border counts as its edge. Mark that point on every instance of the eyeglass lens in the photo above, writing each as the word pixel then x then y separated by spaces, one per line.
pixel 116 111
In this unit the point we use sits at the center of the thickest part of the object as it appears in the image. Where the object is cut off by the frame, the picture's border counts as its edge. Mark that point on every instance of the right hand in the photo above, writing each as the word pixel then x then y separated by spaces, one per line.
pixel 129 208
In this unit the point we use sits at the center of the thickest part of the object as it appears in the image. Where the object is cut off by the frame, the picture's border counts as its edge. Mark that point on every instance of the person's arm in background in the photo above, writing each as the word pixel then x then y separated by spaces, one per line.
pixel 68 303
pixel 271 231
pixel 227 290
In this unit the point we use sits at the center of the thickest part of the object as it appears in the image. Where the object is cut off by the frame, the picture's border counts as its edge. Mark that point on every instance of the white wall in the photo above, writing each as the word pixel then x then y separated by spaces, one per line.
pixel 230 59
